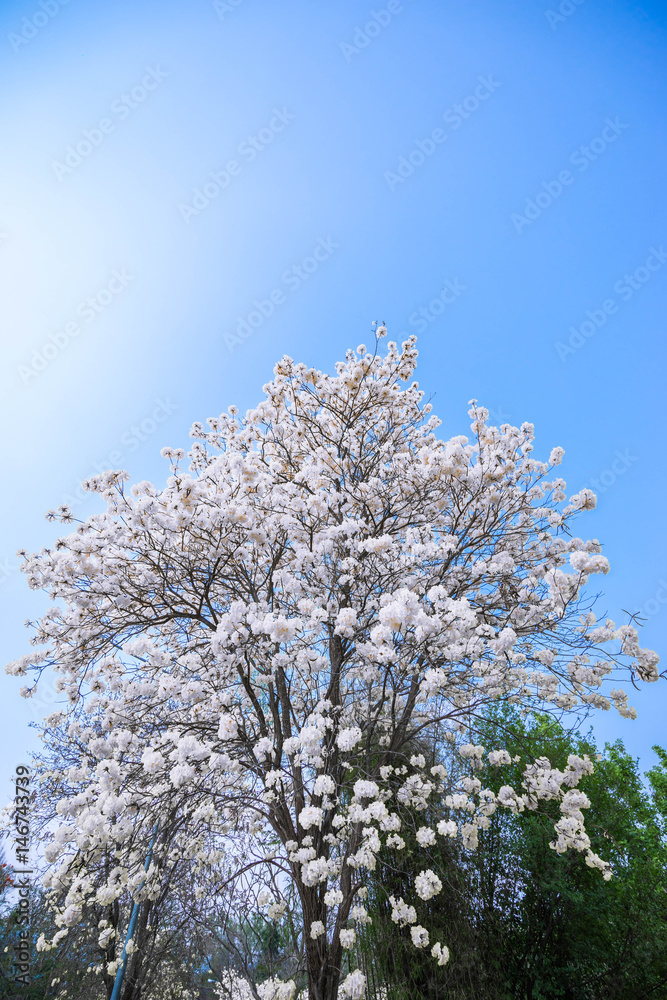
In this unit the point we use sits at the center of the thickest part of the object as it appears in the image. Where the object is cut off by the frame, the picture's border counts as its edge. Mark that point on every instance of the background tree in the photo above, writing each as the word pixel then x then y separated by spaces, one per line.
pixel 525 921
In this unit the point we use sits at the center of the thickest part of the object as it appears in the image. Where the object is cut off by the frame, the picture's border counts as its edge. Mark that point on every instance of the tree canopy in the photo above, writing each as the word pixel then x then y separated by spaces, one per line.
pixel 250 654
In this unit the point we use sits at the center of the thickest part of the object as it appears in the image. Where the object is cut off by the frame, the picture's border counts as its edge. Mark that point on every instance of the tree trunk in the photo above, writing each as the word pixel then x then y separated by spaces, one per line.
pixel 322 962
pixel 323 972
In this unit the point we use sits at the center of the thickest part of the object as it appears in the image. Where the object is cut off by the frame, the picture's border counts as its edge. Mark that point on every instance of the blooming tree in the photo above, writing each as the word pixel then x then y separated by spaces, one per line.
pixel 251 652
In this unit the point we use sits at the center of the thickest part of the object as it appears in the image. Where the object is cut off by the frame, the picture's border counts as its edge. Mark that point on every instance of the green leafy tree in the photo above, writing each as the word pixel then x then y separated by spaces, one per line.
pixel 524 921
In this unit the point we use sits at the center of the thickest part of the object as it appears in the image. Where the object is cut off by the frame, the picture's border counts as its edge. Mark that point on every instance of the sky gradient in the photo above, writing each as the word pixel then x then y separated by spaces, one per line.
pixel 191 191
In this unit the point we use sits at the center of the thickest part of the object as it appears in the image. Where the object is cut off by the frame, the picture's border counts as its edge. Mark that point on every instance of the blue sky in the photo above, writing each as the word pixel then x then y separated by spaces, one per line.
pixel 191 191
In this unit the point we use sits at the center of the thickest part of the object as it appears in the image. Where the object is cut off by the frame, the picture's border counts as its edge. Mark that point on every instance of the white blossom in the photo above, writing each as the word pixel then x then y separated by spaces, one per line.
pixel 347 938
pixel 354 985
pixel 427 884
pixel 365 789
pixel 425 836
pixel 324 785
pixel 228 728
pixel 447 828
pixel 402 913
pixel 498 757
pixel 348 738
pixel 441 952
pixel 360 914
pixel 310 816
pixel 152 760
pixel 419 936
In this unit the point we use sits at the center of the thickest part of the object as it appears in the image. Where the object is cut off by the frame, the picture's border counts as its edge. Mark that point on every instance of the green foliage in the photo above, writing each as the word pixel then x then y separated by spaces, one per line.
pixel 522 921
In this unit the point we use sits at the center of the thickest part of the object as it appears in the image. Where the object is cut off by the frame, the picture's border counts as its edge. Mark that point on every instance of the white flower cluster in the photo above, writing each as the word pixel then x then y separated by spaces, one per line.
pixel 277 989
pixel 401 913
pixel 427 884
pixel 310 816
pixel 348 938
pixel 235 987
pixel 276 910
pixel 498 757
pixel 419 936
pixel 441 952
pixel 354 986
pixel 347 739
